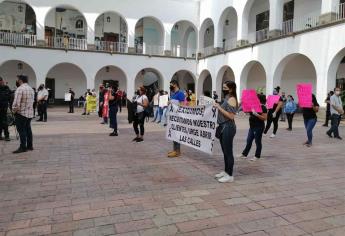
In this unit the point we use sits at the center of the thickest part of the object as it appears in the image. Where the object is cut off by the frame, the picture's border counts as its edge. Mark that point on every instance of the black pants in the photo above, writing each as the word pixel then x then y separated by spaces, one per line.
pixel 254 133
pixel 23 125
pixel 335 121
pixel 328 117
pixel 226 141
pixel 3 122
pixel 139 120
pixel 271 120
pixel 35 108
pixel 290 119
pixel 113 117
pixel 71 107
pixel 42 110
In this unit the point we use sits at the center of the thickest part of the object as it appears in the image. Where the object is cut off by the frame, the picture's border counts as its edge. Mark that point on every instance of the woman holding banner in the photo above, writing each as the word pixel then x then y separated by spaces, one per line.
pixel 257 126
pixel 227 127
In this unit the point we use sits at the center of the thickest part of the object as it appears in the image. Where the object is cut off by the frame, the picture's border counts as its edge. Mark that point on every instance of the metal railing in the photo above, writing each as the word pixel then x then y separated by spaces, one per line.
pixel 149 49
pixel 306 22
pixel 178 51
pixel 340 12
pixel 18 39
pixel 66 43
pixel 261 35
pixel 107 46
pixel 287 27
pixel 207 51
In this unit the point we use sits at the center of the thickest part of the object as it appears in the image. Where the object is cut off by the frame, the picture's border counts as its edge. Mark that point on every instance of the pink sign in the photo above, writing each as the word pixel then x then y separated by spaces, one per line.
pixel 250 101
pixel 304 93
pixel 271 100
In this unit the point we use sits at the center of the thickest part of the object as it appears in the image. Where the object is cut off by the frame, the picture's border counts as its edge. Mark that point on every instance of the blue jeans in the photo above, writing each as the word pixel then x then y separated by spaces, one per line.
pixel 309 126
pixel 226 141
pixel 155 113
pixel 254 133
pixel 164 116
pixel 335 121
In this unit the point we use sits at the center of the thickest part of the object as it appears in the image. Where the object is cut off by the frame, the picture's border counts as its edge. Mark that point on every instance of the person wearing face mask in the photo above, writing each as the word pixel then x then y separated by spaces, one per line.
pixel 176 97
pixel 273 115
pixel 336 112
pixel 257 126
pixel 142 102
pixel 290 109
pixel 114 100
pixel 226 120
pixel 42 100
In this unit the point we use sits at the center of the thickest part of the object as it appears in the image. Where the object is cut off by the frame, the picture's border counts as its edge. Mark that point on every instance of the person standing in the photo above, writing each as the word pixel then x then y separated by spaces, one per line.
pixel 114 100
pixel 35 102
pixel 71 102
pixel 283 115
pixel 290 109
pixel 142 102
pixel 5 98
pixel 328 109
pixel 257 126
pixel 273 115
pixel 23 110
pixel 156 107
pixel 102 92
pixel 336 112
pixel 226 120
pixel 310 119
pixel 42 99
pixel 176 97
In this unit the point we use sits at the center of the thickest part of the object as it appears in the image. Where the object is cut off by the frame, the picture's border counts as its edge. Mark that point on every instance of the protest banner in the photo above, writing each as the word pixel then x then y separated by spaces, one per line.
pixel 91 103
pixel 163 101
pixel 204 101
pixel 193 126
pixel 250 101
pixel 271 100
pixel 68 97
pixel 304 93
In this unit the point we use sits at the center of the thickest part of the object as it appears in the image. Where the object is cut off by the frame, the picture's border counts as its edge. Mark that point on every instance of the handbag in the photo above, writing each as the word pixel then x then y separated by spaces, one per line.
pixel 219 131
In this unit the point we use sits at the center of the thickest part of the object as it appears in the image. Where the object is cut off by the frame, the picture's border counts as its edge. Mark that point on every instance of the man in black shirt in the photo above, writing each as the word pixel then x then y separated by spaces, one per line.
pixel 5 97
pixel 71 103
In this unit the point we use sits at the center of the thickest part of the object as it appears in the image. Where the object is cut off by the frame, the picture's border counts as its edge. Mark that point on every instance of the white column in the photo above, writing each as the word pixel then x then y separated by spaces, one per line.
pixel 167 37
pixel 218 36
pixel 242 29
pixel 329 6
pixel 91 20
pixel 41 13
pixel 276 15
pixel 131 31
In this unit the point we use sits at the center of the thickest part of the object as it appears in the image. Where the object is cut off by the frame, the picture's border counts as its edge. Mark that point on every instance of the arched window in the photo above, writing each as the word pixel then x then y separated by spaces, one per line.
pixel 79 24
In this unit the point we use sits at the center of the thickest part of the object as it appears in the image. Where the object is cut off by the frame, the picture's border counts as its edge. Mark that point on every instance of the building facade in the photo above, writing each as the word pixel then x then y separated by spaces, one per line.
pixel 258 44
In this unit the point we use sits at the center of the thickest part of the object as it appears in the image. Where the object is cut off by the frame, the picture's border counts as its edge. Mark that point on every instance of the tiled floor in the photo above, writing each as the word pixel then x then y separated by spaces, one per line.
pixel 80 181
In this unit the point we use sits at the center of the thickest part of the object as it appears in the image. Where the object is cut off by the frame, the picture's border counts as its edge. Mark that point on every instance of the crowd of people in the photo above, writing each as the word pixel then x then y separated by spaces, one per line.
pixel 24 101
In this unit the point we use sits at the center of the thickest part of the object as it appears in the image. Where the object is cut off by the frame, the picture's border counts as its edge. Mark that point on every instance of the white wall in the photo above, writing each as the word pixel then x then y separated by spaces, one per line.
pixel 9 72
pixel 304 8
pixel 103 26
pixel 113 74
pixel 257 78
pixel 341 71
pixel 259 6
pixel 10 18
pixel 67 76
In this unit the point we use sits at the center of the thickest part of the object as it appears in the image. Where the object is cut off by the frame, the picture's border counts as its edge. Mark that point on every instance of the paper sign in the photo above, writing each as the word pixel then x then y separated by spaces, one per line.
pixel 193 126
pixel 91 103
pixel 163 101
pixel 304 93
pixel 68 97
pixel 204 100
pixel 250 101
pixel 271 100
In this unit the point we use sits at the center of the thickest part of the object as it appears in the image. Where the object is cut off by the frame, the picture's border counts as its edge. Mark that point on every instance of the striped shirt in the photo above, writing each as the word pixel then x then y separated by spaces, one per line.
pixel 24 100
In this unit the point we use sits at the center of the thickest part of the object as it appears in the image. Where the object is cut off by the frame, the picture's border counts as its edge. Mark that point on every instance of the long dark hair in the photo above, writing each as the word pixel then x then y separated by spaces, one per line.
pixel 233 88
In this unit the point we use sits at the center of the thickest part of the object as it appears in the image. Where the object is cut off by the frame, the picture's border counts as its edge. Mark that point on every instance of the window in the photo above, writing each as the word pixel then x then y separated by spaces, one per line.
pixel 79 24
pixel 289 11
pixel 262 20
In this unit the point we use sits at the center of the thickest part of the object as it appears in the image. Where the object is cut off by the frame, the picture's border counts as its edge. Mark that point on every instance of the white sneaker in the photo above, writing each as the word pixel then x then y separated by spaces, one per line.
pixel 254 159
pixel 226 179
pixel 272 136
pixel 241 156
pixel 220 175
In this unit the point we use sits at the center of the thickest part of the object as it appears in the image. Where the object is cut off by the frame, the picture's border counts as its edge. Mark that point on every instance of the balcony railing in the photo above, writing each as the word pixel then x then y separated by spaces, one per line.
pixel 287 27
pixel 178 51
pixel 207 51
pixel 306 22
pixel 18 39
pixel 107 46
pixel 340 12
pixel 261 35
pixel 66 43
pixel 149 49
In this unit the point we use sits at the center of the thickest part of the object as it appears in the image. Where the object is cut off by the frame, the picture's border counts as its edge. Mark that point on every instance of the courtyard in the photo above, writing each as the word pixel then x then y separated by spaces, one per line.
pixel 79 181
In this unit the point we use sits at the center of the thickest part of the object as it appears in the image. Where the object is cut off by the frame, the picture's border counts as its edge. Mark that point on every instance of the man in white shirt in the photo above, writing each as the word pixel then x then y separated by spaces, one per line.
pixel 42 101
pixel 336 112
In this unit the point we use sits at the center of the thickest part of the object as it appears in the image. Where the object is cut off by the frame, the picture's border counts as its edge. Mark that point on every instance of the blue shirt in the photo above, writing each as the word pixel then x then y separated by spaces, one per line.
pixel 178 96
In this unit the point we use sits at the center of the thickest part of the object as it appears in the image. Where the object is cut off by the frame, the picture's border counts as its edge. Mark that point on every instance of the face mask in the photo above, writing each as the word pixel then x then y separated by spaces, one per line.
pixel 226 92
pixel 275 93
pixel 337 93
pixel 172 87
